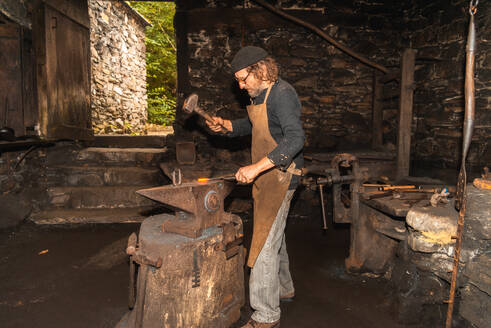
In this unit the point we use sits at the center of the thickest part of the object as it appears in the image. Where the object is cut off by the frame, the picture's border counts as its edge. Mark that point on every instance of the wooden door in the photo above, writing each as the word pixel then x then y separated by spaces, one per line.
pixel 63 75
pixel 11 105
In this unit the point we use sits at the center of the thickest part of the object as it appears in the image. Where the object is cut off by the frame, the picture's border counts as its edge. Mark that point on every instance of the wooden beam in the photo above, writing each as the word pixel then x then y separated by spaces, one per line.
pixel 405 112
pixel 377 114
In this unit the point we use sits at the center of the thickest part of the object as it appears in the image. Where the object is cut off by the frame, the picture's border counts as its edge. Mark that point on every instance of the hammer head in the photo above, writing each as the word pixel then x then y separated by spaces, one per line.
pixel 190 103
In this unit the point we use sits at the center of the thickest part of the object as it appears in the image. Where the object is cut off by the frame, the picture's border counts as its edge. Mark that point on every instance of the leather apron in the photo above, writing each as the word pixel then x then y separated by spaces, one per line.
pixel 270 187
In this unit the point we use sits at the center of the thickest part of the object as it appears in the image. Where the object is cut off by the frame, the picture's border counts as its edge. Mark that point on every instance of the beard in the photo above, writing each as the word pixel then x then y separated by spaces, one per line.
pixel 255 91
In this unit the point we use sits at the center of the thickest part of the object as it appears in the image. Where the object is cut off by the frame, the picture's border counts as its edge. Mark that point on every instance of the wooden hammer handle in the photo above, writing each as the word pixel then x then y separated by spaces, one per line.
pixel 207 117
pixel 203 114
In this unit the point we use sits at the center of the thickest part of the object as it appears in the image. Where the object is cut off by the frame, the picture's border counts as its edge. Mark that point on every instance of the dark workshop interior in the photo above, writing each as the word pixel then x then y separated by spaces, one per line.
pixel 391 223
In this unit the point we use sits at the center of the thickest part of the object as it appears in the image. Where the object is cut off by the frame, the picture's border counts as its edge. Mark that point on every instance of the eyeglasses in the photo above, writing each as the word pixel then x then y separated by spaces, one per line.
pixel 244 79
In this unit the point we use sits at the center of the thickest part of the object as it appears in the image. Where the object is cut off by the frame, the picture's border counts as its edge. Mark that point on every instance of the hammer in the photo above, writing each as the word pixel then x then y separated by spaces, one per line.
pixel 191 105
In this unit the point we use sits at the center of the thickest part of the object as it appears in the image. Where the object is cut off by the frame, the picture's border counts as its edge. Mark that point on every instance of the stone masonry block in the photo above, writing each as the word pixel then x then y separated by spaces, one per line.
pixel 436 224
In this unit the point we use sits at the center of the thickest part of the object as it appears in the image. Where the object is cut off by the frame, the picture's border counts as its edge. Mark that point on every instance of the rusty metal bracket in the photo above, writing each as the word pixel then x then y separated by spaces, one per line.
pixel 136 256
pixel 232 237
pixel 176 177
pixel 321 192
pixel 131 249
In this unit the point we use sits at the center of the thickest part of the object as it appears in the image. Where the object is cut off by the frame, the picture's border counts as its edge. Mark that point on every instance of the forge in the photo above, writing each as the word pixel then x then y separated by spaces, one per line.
pixel 189 265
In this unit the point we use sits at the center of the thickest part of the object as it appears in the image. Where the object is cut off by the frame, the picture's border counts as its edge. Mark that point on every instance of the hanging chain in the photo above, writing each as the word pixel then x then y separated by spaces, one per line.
pixel 473 7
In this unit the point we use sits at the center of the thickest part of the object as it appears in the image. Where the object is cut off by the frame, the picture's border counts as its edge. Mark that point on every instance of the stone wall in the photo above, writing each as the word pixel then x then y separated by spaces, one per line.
pixel 438 30
pixel 335 89
pixel 119 101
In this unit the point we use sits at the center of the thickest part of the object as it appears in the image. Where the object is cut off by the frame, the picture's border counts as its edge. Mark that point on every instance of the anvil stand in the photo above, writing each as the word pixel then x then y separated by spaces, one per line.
pixel 190 264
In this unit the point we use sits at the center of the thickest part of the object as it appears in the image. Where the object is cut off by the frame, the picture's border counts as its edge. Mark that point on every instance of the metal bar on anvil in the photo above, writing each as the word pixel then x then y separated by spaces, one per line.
pixel 228 177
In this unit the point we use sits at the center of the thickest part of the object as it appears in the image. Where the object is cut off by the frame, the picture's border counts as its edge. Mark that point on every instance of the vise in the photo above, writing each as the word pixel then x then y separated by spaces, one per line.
pixel 346 177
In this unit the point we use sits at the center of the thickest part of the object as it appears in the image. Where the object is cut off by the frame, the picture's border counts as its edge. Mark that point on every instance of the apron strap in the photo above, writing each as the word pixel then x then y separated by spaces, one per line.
pixel 267 94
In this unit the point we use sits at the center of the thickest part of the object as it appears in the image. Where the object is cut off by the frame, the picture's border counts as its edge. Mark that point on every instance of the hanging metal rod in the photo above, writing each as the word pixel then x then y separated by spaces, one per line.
pixel 461 201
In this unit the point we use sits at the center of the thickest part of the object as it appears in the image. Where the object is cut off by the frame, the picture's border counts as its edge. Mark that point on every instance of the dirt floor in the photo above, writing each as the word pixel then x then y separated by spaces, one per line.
pixel 78 277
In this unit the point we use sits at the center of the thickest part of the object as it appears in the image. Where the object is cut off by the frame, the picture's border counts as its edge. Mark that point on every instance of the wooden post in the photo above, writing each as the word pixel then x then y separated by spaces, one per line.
pixel 377 115
pixel 405 113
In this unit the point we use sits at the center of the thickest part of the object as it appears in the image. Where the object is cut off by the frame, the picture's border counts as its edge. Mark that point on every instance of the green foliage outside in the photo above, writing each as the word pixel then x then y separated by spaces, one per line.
pixel 161 60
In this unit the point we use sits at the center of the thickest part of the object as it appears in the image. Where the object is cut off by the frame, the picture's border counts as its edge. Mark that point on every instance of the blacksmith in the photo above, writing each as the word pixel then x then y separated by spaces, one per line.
pixel 277 142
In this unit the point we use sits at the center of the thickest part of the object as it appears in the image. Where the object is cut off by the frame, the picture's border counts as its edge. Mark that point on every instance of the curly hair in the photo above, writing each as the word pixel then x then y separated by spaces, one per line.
pixel 270 71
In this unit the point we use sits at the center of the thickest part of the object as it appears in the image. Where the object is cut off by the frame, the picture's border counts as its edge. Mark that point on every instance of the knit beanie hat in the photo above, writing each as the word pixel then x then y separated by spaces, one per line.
pixel 247 56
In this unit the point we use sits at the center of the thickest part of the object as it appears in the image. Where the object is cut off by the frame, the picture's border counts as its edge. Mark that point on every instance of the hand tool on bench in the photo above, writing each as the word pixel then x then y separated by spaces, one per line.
pixel 396 187
pixel 377 194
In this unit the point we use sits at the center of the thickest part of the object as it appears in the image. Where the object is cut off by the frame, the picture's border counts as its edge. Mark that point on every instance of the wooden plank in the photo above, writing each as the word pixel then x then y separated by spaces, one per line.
pixel 9 31
pixel 405 112
pixel 389 205
pixel 11 111
pixel 76 10
pixel 28 72
pixel 72 75
pixel 377 113
pixel 63 75
pixel 50 20
pixel 39 45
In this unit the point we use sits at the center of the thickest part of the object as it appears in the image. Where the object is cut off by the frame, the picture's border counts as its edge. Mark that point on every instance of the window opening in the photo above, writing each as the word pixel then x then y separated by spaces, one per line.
pixel 134 72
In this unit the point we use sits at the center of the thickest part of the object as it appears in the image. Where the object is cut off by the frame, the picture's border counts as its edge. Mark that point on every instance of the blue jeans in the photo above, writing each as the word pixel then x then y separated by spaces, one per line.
pixel 270 276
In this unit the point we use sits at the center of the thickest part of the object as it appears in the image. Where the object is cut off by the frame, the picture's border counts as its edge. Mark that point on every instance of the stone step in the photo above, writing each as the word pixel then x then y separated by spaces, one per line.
pixel 70 175
pixel 117 156
pixel 83 216
pixel 122 141
pixel 144 157
pixel 98 197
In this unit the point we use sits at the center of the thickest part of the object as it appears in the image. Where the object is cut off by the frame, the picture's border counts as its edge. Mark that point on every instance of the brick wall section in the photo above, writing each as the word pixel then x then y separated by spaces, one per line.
pixel 119 101
pixel 438 29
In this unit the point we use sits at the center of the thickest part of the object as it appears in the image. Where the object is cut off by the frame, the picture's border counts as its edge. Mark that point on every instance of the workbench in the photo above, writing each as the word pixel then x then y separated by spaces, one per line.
pixel 379 226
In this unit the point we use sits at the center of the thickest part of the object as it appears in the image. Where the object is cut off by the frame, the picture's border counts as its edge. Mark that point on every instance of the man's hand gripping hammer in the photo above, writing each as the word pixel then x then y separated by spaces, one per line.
pixel 191 106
